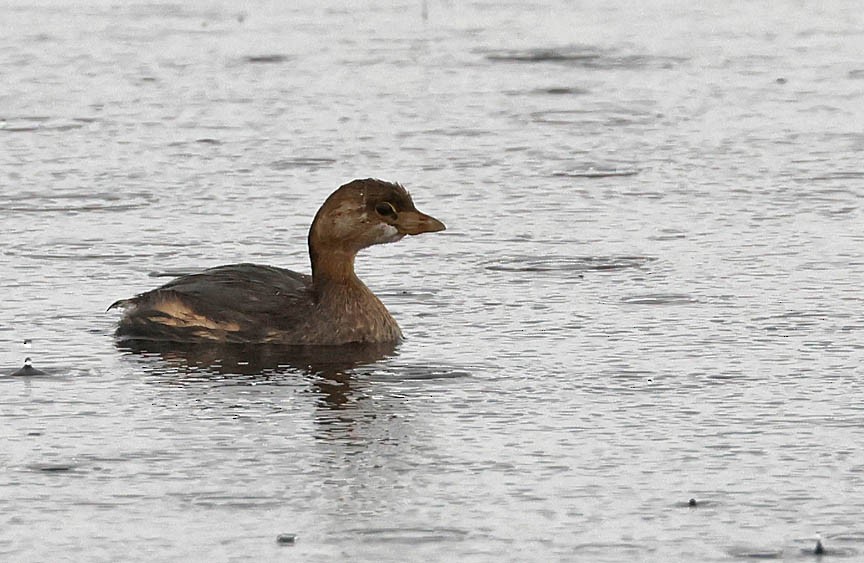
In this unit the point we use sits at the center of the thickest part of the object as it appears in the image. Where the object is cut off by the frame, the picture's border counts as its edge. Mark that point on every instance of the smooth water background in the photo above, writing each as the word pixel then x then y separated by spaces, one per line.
pixel 650 288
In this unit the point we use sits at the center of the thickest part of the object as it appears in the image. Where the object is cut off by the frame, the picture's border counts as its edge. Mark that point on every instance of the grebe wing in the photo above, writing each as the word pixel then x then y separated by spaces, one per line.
pixel 242 300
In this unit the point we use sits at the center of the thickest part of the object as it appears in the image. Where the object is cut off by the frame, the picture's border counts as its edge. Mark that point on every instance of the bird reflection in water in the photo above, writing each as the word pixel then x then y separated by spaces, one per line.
pixel 330 369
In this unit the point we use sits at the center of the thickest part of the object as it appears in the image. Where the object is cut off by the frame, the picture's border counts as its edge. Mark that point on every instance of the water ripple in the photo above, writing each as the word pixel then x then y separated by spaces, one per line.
pixel 27 202
pixel 576 264
pixel 585 56
pixel 611 117
pixel 302 162
pixel 660 299
pixel 267 59
pixel 409 535
pixel 38 124
pixel 592 172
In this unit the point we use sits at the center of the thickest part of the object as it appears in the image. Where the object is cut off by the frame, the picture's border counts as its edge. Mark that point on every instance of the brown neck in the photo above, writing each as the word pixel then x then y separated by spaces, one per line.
pixel 332 267
pixel 356 314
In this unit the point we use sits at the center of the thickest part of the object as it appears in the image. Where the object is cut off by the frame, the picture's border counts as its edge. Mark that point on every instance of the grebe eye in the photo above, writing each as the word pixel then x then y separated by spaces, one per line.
pixel 385 209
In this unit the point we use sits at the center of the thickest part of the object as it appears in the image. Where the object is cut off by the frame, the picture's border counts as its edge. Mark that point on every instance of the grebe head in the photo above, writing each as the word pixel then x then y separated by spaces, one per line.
pixel 366 212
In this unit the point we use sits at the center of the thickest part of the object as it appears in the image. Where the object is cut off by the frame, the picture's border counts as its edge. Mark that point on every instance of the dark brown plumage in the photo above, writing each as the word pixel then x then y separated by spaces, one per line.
pixel 249 303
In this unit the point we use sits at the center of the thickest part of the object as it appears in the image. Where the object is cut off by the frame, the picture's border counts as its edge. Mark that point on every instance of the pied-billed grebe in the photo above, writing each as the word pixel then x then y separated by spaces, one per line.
pixel 248 303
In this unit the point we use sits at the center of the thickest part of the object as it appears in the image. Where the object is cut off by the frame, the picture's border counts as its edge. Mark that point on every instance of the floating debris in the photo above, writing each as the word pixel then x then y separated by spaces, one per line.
pixel 819 550
pixel 691 502
pixel 286 539
pixel 28 369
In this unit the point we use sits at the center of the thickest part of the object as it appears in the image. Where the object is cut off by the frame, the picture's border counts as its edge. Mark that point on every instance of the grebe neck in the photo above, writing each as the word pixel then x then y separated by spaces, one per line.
pixel 332 268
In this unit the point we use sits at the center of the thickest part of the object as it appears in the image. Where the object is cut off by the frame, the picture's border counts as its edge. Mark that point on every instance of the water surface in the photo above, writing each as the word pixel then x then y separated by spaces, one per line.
pixel 649 289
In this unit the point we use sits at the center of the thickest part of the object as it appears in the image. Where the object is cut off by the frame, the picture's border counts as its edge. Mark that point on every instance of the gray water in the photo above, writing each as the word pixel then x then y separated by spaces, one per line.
pixel 650 289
